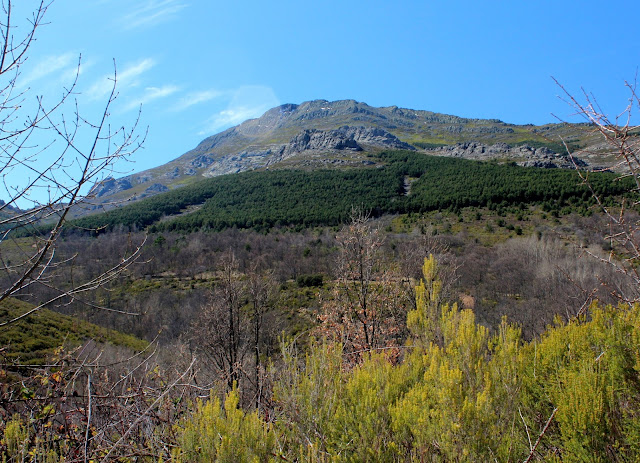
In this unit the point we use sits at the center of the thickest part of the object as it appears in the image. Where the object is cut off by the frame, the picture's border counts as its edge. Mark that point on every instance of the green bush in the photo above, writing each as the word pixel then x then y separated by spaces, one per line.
pixel 307 281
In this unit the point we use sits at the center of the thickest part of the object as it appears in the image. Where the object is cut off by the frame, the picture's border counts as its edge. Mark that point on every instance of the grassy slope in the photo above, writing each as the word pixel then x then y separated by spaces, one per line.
pixel 32 339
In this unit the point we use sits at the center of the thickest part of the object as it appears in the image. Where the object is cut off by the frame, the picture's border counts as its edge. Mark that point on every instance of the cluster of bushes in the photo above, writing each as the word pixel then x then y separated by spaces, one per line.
pixel 308 281
pixel 459 394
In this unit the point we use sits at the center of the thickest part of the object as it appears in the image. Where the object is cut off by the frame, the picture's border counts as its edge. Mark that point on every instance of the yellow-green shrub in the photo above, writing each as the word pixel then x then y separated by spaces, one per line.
pixel 224 434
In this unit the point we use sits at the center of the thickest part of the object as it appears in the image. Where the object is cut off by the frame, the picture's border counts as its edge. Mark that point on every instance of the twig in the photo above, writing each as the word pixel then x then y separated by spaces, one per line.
pixel 126 434
pixel 89 405
pixel 544 430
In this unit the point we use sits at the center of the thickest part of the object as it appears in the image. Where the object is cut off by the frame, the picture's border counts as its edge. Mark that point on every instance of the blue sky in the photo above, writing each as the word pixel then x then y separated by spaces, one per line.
pixel 198 67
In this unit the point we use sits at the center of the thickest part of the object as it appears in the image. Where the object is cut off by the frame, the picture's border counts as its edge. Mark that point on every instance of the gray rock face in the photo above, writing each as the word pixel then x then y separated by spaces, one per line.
pixel 110 186
pixel 202 161
pixel 175 173
pixel 524 155
pixel 311 141
pixel 156 188
pixel 343 139
pixel 139 179
pixel 326 140
pixel 373 136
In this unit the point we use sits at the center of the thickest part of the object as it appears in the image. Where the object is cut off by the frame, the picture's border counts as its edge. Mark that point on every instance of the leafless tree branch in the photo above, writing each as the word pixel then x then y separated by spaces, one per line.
pixel 621 136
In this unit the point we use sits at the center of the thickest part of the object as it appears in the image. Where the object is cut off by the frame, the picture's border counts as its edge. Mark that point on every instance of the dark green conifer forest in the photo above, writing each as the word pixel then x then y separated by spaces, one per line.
pixel 263 200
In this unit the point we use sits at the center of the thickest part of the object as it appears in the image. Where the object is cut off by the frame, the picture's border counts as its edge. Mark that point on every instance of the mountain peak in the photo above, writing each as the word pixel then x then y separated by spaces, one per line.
pixel 323 133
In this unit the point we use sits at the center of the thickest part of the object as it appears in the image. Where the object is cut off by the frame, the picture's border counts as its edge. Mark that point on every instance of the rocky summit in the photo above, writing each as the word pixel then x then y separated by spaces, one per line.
pixel 320 134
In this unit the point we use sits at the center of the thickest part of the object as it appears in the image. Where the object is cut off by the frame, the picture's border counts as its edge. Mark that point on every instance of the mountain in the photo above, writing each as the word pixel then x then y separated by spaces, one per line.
pixel 341 133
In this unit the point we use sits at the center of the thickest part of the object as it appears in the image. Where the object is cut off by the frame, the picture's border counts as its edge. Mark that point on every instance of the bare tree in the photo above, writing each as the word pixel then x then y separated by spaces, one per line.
pixel 358 265
pixel 50 156
pixel 221 331
pixel 368 308
pixel 232 329
pixel 261 289
pixel 621 140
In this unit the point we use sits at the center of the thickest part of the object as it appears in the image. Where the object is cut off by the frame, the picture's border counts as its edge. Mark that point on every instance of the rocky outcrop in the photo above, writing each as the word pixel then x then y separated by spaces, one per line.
pixel 523 155
pixel 172 174
pixel 110 186
pixel 156 188
pixel 310 142
pixel 343 139
pixel 376 137
pixel 202 161
pixel 321 140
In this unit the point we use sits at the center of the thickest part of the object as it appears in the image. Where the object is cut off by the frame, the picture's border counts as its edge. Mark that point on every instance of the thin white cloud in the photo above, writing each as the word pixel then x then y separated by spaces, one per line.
pixel 128 77
pixel 230 117
pixel 69 74
pixel 59 64
pixel 152 12
pixel 192 99
pixel 151 94
pixel 248 102
pixel 132 72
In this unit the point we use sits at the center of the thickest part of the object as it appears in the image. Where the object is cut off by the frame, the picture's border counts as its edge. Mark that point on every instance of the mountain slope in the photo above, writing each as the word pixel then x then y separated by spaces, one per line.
pixel 320 133
pixel 31 340
pixel 402 181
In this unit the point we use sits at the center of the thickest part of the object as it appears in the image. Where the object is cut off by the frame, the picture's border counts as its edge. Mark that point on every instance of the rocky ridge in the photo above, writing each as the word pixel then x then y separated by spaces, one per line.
pixel 523 155
pixel 308 142
pixel 320 133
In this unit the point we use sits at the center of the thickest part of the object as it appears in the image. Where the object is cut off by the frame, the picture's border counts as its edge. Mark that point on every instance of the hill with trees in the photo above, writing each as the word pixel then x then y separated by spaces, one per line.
pixel 403 182
pixel 322 134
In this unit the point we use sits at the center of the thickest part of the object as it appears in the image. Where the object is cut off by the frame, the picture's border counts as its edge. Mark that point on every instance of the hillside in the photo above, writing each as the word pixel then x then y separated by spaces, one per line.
pixel 323 134
pixel 400 182
pixel 266 287
pixel 33 339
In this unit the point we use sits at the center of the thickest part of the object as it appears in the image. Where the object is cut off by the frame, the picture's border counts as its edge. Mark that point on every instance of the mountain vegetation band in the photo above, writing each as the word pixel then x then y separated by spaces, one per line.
pixel 298 198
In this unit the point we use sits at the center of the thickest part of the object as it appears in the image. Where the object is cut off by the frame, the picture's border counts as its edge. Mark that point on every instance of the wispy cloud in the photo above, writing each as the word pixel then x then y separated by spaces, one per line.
pixel 194 98
pixel 69 74
pixel 230 117
pixel 128 77
pixel 248 102
pixel 130 73
pixel 58 64
pixel 151 94
pixel 152 12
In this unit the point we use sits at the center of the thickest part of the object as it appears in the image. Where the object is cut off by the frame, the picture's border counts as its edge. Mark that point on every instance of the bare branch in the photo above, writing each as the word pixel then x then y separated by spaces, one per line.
pixel 542 433
pixel 622 139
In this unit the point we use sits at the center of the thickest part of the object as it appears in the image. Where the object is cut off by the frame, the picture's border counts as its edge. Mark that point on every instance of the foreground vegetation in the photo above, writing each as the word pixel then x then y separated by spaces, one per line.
pixel 571 396
pixel 452 392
